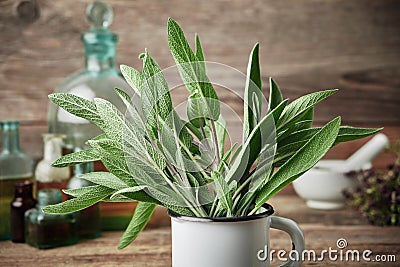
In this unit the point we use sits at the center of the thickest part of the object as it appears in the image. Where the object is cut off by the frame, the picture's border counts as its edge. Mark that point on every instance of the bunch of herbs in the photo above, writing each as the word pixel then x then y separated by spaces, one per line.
pixel 156 158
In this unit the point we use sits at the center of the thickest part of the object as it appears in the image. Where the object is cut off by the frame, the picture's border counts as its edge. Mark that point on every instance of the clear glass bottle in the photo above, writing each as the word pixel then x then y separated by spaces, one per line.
pixel 89 218
pixel 23 201
pixel 15 166
pixel 50 230
pixel 46 175
pixel 97 80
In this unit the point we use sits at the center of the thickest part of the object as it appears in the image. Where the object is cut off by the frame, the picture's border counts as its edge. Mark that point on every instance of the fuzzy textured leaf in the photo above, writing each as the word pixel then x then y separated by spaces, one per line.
pixel 275 94
pixel 203 96
pixel 88 155
pixel 77 106
pixel 303 160
pixel 252 93
pixel 348 133
pixel 132 77
pixel 92 196
pixel 140 218
pixel 105 179
pixel 301 105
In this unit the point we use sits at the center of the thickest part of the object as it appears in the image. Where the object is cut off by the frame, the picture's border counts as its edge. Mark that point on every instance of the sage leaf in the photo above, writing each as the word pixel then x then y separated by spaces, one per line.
pixel 133 77
pixel 303 160
pixel 113 159
pixel 203 101
pixel 76 192
pixel 252 93
pixel 199 50
pixel 114 120
pixel 127 190
pixel 88 155
pixel 155 98
pixel 253 145
pixel 223 192
pixel 105 179
pixel 220 127
pixel 301 105
pixel 87 199
pixel 275 94
pixel 77 106
pixel 348 133
pixel 140 218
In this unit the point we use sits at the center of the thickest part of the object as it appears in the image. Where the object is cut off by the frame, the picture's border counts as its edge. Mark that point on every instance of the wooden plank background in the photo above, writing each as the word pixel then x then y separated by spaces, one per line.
pixel 305 46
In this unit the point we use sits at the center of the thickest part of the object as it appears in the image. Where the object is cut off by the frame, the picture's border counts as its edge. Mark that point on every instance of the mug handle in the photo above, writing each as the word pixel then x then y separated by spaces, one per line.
pixel 295 234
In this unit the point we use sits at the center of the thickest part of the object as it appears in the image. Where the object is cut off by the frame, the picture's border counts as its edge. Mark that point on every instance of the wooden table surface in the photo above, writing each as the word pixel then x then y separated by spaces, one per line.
pixel 322 229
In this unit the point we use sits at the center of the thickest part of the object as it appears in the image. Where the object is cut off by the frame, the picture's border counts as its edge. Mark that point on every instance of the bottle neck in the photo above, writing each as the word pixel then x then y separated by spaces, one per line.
pixel 95 64
pixel 52 148
pixel 99 50
pixel 24 190
pixel 10 137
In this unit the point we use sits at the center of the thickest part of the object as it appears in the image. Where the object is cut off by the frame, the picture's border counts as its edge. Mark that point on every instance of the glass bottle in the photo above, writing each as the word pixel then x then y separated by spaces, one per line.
pixel 89 218
pixel 50 230
pixel 97 80
pixel 15 166
pixel 46 175
pixel 23 201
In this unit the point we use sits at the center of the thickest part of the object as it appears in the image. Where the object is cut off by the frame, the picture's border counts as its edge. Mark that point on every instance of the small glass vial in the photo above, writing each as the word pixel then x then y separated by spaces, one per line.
pixel 50 230
pixel 15 166
pixel 23 201
pixel 89 218
pixel 46 175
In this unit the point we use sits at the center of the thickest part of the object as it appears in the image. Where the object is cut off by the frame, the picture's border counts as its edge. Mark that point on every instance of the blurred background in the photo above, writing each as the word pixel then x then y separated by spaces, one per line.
pixel 304 45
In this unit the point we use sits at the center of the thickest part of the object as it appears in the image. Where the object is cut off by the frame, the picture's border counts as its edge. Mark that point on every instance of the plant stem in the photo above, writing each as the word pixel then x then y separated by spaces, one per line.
pixel 215 140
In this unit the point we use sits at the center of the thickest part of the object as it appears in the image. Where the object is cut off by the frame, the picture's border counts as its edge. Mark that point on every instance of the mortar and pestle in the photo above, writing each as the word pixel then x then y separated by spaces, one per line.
pixel 322 185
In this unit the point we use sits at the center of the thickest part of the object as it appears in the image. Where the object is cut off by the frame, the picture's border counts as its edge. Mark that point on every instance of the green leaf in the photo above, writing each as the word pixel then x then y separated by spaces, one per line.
pixel 223 192
pixel 99 137
pixel 123 95
pixel 155 98
pixel 105 179
pixel 303 160
pixel 253 145
pixel 115 123
pixel 140 196
pixel 348 133
pixel 140 218
pixel 303 134
pixel 203 101
pixel 278 111
pixel 77 106
pixel 292 128
pixel 199 50
pixel 275 95
pixel 74 158
pixel 252 93
pixel 132 77
pixel 132 189
pixel 113 159
pixel 301 105
pixel 128 103
pixel 87 199
pixel 285 152
pixel 220 128
pixel 76 192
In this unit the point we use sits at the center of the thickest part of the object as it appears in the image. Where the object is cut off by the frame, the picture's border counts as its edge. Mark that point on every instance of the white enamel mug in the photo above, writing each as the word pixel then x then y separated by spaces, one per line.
pixel 230 242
